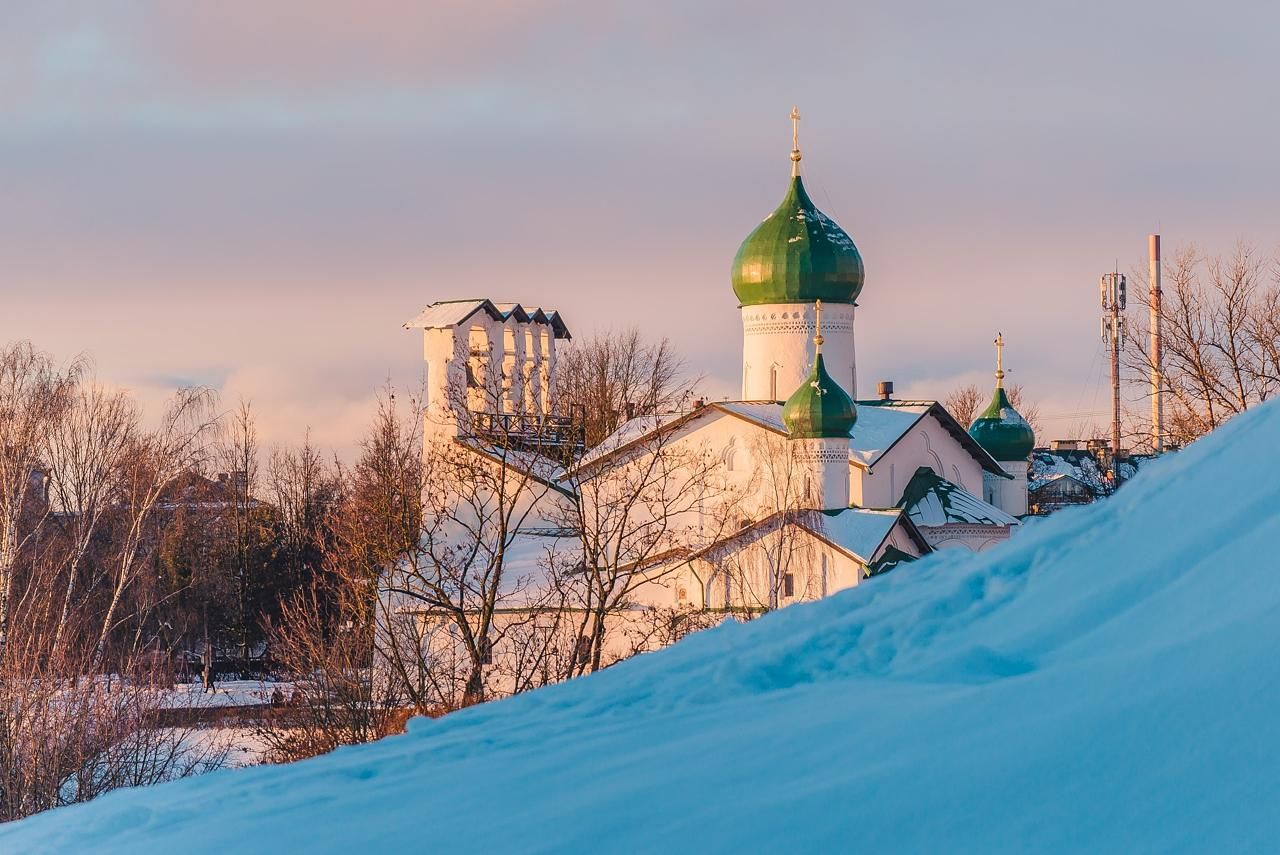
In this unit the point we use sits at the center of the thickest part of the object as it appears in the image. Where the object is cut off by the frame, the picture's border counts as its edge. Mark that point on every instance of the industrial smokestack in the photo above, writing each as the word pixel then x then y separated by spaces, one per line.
pixel 1157 354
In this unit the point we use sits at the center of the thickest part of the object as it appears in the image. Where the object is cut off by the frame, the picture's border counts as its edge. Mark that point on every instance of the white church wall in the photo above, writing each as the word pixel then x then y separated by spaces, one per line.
pixel 1009 495
pixel 777 348
pixel 973 538
pixel 735 443
pixel 929 444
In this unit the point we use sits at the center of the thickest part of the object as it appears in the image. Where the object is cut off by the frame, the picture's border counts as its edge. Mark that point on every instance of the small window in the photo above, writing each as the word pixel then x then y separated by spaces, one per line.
pixel 788 585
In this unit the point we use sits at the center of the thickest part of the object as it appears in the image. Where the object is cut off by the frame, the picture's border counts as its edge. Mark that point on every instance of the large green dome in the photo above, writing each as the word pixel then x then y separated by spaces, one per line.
pixel 797 255
pixel 819 409
pixel 1002 430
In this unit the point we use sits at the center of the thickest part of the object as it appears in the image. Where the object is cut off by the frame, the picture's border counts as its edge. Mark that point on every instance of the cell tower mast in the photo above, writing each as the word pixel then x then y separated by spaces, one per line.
pixel 1112 289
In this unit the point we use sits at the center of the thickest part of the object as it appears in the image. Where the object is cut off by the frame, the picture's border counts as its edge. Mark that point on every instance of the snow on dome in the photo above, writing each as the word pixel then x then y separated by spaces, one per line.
pixel 1106 681
pixel 1002 430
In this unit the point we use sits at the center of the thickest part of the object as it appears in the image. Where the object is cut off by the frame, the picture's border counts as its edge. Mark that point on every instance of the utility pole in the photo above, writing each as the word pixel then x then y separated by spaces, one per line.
pixel 1157 350
pixel 1112 291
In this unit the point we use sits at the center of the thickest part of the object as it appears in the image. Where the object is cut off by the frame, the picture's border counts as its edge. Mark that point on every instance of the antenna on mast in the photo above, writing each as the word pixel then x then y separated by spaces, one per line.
pixel 1113 292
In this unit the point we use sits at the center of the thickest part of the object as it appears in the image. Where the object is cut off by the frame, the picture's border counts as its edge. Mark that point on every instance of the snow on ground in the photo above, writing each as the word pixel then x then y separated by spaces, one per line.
pixel 225 693
pixel 245 746
pixel 1107 681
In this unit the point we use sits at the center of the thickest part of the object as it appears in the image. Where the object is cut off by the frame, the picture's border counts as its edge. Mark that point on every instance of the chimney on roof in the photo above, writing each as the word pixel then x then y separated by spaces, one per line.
pixel 885 390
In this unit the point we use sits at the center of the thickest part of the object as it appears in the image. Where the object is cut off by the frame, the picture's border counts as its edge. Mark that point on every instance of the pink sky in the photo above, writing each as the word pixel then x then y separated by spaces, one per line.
pixel 257 195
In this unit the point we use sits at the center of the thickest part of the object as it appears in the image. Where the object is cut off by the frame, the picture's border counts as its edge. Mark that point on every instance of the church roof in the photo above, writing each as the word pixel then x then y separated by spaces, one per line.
pixel 931 500
pixel 629 432
pixel 820 408
pixel 858 532
pixel 890 559
pixel 948 421
pixel 451 313
pixel 880 426
pixel 797 255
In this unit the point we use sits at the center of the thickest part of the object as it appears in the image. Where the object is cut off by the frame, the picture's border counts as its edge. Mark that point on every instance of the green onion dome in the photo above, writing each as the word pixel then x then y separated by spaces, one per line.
pixel 1002 430
pixel 819 409
pixel 797 255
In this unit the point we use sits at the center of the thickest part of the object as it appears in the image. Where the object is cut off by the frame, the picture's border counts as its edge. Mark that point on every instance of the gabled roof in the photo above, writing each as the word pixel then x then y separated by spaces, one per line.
pixel 881 424
pixel 947 420
pixel 1060 477
pixel 857 532
pixel 451 313
pixel 890 559
pixel 539 467
pixel 629 433
pixel 931 500
pixel 860 532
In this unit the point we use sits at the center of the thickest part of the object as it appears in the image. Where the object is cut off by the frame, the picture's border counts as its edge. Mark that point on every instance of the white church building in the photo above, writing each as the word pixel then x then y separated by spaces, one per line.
pixel 817 490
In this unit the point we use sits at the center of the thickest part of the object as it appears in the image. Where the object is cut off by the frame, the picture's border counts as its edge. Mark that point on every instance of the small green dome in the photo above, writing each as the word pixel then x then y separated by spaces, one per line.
pixel 1002 430
pixel 819 409
pixel 797 255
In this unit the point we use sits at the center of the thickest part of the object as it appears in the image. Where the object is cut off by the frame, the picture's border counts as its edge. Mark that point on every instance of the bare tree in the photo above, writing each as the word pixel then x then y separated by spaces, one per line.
pixel 1220 318
pixel 1027 408
pixel 964 403
pixel 34 396
pixel 326 639
pixel 304 490
pixel 632 510
pixel 86 453
pixel 156 461
pixel 460 545
pixel 777 496
pixel 613 377
pixel 64 738
pixel 239 454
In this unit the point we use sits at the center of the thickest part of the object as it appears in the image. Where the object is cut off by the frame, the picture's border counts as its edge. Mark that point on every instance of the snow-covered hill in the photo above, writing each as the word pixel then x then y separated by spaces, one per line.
pixel 1108 681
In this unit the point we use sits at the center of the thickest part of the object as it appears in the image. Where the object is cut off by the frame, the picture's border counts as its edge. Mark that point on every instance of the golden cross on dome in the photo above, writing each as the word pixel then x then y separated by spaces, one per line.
pixel 795 141
pixel 999 359
pixel 817 338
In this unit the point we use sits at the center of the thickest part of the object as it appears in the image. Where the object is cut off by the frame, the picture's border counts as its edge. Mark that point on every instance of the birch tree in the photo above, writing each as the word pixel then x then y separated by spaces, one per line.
pixel 155 461
pixel 86 452
pixel 34 397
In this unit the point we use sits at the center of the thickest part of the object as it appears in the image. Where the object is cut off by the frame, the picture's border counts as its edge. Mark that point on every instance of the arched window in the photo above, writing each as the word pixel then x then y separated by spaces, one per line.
pixel 773 382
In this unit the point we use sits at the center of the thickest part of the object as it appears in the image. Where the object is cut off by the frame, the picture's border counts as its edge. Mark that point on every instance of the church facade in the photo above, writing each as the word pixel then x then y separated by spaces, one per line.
pixel 814 489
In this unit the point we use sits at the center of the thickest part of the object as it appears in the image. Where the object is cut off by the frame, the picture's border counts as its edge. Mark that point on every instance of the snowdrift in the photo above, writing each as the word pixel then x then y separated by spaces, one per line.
pixel 1108 681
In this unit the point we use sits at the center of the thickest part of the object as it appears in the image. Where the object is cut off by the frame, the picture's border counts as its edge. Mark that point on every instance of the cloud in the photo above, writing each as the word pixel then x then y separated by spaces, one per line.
pixel 261 192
